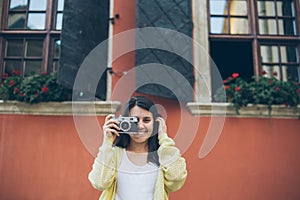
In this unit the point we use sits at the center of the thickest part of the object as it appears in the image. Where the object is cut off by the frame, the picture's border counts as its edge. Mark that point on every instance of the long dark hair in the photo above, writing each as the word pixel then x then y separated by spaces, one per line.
pixel 124 139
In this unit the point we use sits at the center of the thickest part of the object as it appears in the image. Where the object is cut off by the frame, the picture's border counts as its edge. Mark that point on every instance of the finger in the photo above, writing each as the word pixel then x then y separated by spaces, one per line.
pixel 113 126
pixel 110 128
pixel 162 125
pixel 110 116
pixel 112 123
pixel 111 132
pixel 112 120
pixel 114 132
pixel 161 121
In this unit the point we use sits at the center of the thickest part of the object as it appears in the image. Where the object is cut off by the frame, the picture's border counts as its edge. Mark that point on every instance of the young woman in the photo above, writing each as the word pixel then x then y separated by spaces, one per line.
pixel 145 165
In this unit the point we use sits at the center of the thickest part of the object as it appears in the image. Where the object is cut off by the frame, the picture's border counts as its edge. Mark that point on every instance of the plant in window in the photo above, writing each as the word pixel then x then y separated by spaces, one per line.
pixel 33 89
pixel 261 90
pixel 10 87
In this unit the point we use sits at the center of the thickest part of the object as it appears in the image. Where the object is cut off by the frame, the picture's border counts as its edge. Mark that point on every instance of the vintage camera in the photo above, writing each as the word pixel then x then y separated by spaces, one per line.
pixel 128 124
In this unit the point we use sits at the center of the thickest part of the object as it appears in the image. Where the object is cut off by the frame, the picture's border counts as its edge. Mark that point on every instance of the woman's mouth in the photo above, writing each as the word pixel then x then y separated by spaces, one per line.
pixel 141 132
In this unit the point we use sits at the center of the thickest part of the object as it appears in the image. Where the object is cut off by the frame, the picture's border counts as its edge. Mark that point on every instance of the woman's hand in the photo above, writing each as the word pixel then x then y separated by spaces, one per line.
pixel 162 127
pixel 110 127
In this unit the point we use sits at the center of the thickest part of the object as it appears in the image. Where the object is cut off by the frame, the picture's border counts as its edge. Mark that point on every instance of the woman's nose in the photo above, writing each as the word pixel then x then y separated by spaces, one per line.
pixel 140 124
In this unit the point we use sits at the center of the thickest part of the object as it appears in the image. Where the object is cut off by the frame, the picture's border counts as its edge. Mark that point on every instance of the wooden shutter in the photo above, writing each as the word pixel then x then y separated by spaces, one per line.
pixel 171 14
pixel 85 25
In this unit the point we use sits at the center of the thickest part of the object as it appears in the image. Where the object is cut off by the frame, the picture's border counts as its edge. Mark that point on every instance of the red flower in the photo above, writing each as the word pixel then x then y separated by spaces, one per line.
pixel 230 78
pixel 16 72
pixel 225 81
pixel 274 73
pixel 235 75
pixel 298 90
pixel 270 82
pixel 11 82
pixel 22 95
pixel 276 88
pixel 45 89
pixel 237 89
pixel 16 90
pixel 226 87
pixel 4 75
pixel 263 72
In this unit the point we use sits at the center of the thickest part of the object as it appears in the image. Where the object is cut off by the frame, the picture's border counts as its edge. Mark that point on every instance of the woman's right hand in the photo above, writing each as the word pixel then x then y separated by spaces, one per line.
pixel 110 127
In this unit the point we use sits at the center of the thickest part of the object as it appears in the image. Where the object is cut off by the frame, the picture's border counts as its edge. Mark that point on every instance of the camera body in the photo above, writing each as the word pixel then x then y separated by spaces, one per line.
pixel 127 124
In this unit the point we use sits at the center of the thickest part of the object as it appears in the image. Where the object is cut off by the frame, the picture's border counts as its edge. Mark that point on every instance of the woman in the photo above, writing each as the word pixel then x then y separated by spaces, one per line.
pixel 145 165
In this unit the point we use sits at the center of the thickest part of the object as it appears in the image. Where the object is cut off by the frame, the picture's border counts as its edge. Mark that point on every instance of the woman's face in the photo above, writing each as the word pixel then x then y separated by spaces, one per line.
pixel 145 124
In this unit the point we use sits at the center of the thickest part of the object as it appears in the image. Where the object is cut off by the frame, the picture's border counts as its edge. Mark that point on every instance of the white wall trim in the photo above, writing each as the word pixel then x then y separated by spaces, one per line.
pixel 251 111
pixel 110 51
pixel 98 108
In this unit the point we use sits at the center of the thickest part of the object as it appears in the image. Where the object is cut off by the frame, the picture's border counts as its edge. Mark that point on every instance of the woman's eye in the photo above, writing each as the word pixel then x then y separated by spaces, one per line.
pixel 146 120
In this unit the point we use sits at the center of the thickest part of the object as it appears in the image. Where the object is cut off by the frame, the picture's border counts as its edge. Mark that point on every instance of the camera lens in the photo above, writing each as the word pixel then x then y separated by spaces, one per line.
pixel 125 125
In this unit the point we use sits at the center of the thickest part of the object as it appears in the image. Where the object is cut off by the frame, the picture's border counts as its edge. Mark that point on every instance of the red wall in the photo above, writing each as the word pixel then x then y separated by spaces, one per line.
pixel 253 159
pixel 42 157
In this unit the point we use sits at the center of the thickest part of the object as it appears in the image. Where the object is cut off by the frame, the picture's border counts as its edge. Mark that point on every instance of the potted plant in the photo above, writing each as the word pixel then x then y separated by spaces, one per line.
pixel 34 88
pixel 261 89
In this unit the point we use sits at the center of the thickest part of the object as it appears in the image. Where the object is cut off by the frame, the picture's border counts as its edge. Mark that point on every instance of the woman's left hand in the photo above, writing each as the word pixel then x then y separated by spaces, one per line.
pixel 162 127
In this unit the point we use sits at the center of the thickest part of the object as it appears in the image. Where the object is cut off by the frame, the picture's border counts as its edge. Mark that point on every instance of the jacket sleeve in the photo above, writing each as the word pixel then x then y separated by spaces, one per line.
pixel 172 164
pixel 103 173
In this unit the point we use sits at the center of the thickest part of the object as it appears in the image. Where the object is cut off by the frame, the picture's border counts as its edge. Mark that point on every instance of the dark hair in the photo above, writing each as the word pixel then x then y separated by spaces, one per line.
pixel 124 139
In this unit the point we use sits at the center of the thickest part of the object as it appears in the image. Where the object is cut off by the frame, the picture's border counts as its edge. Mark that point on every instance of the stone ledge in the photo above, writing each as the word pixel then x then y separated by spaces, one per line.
pixel 254 111
pixel 99 108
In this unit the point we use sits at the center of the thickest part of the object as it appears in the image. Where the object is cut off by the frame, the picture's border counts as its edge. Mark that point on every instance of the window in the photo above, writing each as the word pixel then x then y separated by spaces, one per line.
pixel 23 54
pixel 265 33
pixel 229 17
pixel 276 17
pixel 280 61
pixel 59 14
pixel 29 14
pixel 30 35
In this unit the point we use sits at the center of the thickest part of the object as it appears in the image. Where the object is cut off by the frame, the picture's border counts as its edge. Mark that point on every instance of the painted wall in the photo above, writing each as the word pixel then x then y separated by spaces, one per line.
pixel 43 157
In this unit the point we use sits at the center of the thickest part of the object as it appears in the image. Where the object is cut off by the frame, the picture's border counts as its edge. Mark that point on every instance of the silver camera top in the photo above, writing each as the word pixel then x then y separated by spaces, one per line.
pixel 128 125
pixel 129 119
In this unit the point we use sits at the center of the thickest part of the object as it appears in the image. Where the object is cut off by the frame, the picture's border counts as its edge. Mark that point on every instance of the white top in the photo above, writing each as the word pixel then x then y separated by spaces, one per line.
pixel 135 182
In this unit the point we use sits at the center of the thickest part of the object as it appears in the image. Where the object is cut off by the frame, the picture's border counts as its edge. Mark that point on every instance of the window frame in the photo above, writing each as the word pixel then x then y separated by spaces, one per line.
pixel 277 18
pixel 280 64
pixel 48 35
pixel 228 17
pixel 22 58
pixel 254 35
pixel 202 35
pixel 203 104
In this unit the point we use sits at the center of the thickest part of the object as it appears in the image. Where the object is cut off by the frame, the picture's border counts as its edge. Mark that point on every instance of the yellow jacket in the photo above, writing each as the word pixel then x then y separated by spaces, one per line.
pixel 171 176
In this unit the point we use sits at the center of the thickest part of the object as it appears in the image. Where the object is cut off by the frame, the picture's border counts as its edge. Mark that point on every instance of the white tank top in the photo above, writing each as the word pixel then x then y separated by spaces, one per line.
pixel 135 182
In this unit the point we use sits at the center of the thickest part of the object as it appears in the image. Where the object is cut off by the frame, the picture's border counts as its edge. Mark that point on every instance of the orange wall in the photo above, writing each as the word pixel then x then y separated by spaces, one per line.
pixel 253 159
pixel 42 157
pixel 124 63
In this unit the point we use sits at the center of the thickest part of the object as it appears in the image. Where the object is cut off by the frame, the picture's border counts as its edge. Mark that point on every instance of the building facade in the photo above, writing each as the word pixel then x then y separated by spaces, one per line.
pixel 244 36
pixel 47 151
